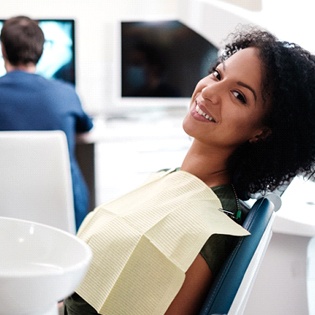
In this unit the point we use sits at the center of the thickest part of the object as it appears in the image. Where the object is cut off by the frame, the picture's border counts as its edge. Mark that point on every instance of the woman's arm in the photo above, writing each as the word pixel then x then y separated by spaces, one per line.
pixel 192 294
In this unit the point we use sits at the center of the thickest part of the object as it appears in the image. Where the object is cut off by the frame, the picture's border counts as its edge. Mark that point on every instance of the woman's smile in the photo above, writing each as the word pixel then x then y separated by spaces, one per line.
pixel 226 108
pixel 203 113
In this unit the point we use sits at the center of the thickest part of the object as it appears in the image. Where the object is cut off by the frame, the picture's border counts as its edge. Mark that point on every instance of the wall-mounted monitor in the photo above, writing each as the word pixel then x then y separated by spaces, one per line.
pixel 159 63
pixel 58 59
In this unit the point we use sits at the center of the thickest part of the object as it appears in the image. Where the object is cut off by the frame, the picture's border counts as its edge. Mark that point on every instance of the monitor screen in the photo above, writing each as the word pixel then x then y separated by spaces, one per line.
pixel 58 59
pixel 162 61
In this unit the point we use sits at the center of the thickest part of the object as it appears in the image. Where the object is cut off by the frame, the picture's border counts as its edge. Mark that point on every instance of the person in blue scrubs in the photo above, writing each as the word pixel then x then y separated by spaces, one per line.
pixel 29 101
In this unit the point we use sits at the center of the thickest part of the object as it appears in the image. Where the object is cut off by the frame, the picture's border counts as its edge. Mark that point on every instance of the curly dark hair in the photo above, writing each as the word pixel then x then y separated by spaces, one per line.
pixel 288 86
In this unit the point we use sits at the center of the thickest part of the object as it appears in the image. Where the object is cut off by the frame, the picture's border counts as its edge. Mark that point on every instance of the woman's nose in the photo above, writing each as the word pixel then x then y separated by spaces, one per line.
pixel 211 93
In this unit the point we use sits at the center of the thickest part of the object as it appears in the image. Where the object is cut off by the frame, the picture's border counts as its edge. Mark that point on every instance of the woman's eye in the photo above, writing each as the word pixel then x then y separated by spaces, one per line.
pixel 239 96
pixel 216 74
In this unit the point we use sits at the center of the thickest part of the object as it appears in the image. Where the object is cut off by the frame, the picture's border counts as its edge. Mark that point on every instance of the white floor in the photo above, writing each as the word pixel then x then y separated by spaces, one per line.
pixel 133 148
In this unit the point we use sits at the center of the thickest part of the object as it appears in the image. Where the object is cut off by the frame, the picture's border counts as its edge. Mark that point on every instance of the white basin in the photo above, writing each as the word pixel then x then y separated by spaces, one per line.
pixel 39 266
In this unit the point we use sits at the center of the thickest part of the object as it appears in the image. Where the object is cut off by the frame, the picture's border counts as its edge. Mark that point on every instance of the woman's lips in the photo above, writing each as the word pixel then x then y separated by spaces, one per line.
pixel 203 114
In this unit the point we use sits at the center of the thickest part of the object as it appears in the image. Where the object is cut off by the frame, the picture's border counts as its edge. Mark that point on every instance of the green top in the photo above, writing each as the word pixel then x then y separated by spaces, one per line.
pixel 218 246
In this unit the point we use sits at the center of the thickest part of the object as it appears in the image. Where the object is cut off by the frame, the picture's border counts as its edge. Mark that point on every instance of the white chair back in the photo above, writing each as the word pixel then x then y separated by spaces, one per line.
pixel 35 180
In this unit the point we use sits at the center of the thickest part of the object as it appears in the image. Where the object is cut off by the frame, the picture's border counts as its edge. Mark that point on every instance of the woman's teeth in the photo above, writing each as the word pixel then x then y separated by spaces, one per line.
pixel 200 112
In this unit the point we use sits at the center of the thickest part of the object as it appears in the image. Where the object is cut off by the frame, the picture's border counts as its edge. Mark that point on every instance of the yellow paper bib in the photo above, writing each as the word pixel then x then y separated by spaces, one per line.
pixel 144 242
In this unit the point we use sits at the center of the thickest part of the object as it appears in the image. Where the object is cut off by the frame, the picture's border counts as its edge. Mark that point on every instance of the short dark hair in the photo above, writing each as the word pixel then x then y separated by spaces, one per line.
pixel 288 88
pixel 23 40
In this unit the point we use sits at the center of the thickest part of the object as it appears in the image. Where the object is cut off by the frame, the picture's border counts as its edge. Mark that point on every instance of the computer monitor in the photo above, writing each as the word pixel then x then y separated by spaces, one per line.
pixel 58 59
pixel 159 62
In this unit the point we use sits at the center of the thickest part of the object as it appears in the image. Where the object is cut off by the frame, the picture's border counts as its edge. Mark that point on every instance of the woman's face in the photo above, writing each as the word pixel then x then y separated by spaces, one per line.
pixel 227 108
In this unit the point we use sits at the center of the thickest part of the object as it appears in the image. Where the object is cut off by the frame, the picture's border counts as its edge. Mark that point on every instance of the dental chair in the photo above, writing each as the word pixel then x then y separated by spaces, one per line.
pixel 232 286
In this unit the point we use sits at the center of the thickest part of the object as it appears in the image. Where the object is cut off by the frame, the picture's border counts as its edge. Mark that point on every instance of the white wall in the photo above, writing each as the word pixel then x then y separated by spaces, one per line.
pixel 291 20
pixel 95 35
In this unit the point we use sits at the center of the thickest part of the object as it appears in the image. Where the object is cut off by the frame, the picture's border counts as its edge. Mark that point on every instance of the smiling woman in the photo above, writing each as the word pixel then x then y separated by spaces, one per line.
pixel 158 248
pixel 230 99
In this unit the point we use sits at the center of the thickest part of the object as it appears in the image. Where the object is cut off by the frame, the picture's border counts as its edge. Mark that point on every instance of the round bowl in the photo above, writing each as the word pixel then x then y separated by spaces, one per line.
pixel 39 266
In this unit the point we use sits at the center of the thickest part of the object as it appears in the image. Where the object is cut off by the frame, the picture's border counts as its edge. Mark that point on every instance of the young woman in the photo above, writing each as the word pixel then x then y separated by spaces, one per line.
pixel 157 249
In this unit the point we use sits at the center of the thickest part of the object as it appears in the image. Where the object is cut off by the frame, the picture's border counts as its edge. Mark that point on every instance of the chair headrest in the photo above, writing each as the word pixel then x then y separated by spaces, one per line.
pixel 275 199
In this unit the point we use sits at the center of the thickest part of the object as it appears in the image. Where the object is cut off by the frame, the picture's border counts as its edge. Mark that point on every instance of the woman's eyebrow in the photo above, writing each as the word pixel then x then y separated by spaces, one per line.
pixel 248 87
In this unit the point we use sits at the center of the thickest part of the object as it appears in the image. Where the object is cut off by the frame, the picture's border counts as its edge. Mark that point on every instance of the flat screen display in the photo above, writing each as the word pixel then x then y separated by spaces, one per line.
pixel 162 59
pixel 58 59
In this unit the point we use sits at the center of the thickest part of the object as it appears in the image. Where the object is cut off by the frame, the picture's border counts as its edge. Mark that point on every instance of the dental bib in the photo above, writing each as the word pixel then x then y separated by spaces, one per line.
pixel 144 242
